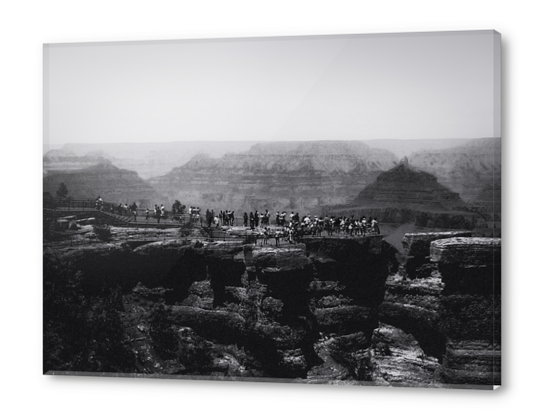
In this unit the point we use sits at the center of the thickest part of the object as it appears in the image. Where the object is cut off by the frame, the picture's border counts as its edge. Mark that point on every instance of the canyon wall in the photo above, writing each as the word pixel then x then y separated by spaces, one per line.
pixel 147 159
pixel 325 310
pixel 473 170
pixel 106 180
pixel 290 176
pixel 271 304
pixel 451 306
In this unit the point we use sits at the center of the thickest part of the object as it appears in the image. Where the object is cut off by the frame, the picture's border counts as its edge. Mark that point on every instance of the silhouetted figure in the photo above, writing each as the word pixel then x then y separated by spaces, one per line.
pixel 376 228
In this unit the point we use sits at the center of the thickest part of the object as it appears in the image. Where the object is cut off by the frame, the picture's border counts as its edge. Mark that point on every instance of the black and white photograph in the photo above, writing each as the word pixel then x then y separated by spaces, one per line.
pixel 294 209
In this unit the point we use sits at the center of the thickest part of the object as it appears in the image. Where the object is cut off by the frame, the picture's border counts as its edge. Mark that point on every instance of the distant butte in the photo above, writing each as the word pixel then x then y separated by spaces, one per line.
pixel 407 187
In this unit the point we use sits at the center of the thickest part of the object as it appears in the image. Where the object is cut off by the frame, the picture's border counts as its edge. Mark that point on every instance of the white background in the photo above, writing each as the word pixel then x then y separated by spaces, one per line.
pixel 26 25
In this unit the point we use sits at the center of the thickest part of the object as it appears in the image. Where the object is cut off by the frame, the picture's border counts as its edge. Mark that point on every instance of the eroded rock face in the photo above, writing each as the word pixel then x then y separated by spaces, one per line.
pixel 287 176
pixel 413 305
pixel 106 180
pixel 453 312
pixel 225 265
pixel 416 247
pixel 243 305
pixel 309 311
pixel 400 360
pixel 407 187
pixel 473 170
pixel 470 308
pixel 469 265
pixel 358 266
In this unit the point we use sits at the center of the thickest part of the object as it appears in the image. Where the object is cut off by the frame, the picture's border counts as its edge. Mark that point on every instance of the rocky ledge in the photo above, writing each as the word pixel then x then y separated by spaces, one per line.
pixel 453 312
pixel 325 310
pixel 416 248
pixel 217 308
pixel 470 308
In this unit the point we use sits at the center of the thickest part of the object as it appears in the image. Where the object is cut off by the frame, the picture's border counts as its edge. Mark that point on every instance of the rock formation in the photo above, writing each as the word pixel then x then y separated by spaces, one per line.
pixel 416 248
pixel 261 308
pixel 297 176
pixel 453 312
pixel 406 194
pixel 471 308
pixel 147 159
pixel 60 160
pixel 473 170
pixel 106 180
pixel 321 311
pixel 407 187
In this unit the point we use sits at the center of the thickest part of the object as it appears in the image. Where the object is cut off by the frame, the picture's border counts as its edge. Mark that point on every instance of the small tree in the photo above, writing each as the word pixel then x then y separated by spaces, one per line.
pixel 177 207
pixel 62 191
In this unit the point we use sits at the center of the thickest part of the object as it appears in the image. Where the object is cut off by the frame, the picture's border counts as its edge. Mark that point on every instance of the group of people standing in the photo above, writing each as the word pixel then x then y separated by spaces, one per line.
pixel 315 225
pixel 159 213
pixel 256 219
pixel 295 226
pixel 225 218
pixel 291 226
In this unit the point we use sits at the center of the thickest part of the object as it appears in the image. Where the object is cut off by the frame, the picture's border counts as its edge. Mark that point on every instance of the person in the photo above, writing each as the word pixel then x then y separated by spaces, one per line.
pixel 245 219
pixel 291 235
pixel 158 214
pixel 376 228
pixel 251 219
pixel 134 211
pixel 277 237
pixel 147 214
pixel 364 225
pixel 265 235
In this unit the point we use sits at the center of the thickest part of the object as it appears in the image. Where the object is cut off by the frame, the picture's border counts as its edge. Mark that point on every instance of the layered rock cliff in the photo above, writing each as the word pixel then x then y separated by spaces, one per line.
pixel 408 187
pixel 60 160
pixel 471 308
pixel 242 310
pixel 297 176
pixel 406 194
pixel 105 180
pixel 473 170
pixel 452 311
pixel 147 159
pixel 321 311
pixel 416 247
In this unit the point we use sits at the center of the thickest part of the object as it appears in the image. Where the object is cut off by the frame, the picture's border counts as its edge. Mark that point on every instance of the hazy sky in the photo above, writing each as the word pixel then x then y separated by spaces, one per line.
pixel 354 87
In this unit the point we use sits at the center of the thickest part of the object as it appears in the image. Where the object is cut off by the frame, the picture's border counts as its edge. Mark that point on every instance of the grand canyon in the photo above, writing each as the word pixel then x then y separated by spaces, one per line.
pixel 415 302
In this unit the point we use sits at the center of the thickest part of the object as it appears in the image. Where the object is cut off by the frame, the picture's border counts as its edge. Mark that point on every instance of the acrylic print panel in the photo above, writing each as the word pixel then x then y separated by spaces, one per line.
pixel 319 209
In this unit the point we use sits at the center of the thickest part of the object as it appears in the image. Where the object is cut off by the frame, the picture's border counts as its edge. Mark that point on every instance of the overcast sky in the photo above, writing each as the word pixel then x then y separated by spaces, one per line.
pixel 361 87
